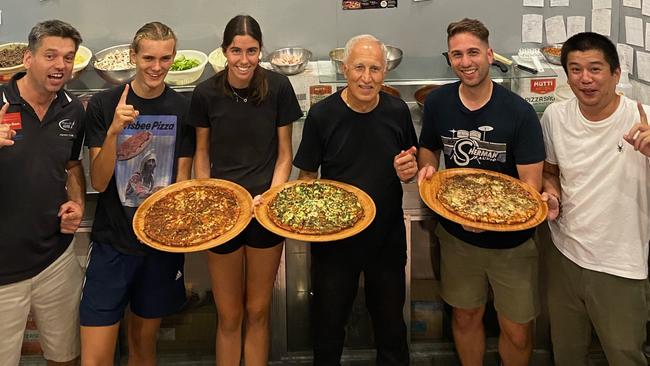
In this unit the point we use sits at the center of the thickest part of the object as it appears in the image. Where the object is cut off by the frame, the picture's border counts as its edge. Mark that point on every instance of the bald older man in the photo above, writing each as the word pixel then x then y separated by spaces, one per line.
pixel 364 137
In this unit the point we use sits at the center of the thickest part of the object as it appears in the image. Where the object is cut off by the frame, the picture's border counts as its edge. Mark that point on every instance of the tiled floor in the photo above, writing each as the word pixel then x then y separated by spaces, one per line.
pixel 540 358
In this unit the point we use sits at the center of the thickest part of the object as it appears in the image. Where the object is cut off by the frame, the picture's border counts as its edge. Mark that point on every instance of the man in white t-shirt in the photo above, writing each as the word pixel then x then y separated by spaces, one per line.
pixel 597 184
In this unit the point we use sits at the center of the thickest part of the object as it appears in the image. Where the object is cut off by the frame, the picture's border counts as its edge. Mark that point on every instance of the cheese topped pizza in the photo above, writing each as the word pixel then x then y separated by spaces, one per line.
pixel 481 197
pixel 192 215
pixel 134 145
pixel 315 208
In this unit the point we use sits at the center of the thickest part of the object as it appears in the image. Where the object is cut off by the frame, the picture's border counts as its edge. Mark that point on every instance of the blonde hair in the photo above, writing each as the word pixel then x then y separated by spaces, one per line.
pixel 155 31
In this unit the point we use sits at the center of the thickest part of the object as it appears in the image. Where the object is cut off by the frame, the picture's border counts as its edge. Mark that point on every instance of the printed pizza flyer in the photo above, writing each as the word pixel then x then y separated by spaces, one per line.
pixel 368 4
pixel 145 157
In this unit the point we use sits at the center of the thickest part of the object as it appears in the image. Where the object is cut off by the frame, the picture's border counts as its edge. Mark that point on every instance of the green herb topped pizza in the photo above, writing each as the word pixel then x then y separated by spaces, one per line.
pixel 315 208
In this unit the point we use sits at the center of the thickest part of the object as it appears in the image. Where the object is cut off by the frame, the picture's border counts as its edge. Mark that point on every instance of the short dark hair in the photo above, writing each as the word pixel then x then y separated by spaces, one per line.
pixel 52 28
pixel 472 26
pixel 244 25
pixel 153 31
pixel 587 41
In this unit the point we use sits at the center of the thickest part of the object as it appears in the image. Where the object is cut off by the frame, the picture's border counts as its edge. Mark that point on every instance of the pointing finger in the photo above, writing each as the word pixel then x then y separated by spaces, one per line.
pixel 644 117
pixel 124 94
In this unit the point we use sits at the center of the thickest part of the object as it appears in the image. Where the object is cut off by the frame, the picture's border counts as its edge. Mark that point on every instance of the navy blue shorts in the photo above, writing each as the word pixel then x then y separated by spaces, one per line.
pixel 154 285
pixel 254 235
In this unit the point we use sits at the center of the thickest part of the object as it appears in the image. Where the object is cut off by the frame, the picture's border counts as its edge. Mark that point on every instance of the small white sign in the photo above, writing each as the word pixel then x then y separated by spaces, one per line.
pixel 625 55
pixel 634 31
pixel 601 4
pixel 535 3
pixel 555 29
pixel 643 65
pixel 645 7
pixel 555 3
pixel 531 28
pixel 601 21
pixel 632 3
pixel 575 25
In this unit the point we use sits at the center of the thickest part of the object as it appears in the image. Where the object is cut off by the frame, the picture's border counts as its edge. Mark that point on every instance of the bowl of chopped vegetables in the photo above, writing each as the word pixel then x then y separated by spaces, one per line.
pixel 114 65
pixel 187 67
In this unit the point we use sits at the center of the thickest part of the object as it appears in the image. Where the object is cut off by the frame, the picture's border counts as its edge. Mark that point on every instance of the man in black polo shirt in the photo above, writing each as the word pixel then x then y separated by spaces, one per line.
pixel 43 191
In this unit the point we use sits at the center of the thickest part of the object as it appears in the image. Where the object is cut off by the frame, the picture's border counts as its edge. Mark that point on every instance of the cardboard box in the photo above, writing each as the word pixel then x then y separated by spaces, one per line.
pixel 191 330
pixel 425 290
pixel 31 342
pixel 539 92
pixel 425 250
pixel 426 310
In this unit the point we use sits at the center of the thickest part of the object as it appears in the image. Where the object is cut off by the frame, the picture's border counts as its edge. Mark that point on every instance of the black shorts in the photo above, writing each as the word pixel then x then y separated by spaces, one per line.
pixel 254 235
pixel 153 285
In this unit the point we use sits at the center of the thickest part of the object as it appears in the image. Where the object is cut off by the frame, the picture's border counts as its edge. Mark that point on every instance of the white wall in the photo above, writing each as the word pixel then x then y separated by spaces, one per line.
pixel 319 25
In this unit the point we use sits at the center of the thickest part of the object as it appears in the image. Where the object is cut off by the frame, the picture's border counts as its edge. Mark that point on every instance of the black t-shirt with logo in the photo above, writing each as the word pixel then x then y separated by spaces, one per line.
pixel 499 136
pixel 243 136
pixel 358 149
pixel 147 153
pixel 33 182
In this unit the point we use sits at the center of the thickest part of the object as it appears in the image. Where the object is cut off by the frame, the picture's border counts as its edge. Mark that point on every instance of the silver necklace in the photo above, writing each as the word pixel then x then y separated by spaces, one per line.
pixel 237 96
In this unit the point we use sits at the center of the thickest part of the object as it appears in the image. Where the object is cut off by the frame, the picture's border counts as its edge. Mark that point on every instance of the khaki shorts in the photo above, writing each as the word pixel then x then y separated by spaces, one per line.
pixel 466 271
pixel 53 297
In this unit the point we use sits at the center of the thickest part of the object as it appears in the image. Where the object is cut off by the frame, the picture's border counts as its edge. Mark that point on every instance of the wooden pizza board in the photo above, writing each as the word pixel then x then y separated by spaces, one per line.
pixel 369 211
pixel 429 192
pixel 244 200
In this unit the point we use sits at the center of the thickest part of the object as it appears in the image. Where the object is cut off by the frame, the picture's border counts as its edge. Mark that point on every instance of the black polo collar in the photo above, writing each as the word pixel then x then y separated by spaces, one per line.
pixel 11 94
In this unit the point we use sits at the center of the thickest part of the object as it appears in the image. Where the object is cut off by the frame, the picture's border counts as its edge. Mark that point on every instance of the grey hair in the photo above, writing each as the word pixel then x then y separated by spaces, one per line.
pixel 52 28
pixel 364 37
